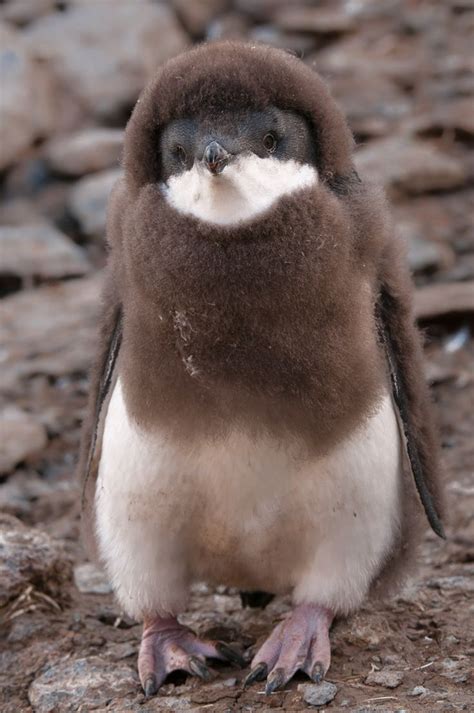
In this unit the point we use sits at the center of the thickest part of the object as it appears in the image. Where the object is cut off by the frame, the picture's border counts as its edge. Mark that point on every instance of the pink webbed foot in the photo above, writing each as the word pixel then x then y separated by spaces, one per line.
pixel 299 643
pixel 168 646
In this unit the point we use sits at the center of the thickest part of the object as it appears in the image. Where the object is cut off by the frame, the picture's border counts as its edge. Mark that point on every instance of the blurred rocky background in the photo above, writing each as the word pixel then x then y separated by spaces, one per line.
pixel 70 73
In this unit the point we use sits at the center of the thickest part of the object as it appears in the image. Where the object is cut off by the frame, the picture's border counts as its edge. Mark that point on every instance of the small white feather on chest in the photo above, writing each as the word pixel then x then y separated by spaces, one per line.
pixel 247 187
pixel 257 514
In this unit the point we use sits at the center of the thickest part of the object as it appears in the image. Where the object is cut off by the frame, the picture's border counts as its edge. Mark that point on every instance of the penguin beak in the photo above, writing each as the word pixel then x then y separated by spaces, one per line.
pixel 215 158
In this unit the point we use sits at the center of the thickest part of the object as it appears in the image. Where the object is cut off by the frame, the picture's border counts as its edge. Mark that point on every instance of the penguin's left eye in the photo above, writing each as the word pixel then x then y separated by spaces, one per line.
pixel 180 154
pixel 270 142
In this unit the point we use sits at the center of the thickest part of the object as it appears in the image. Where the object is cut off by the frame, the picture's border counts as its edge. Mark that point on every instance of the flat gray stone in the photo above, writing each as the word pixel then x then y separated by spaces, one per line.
pixel 81 684
pixel 318 694
pixel 28 555
pixel 40 250
pixel 105 58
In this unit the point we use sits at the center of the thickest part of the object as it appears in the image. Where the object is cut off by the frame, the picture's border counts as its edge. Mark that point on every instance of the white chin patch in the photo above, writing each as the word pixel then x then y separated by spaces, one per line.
pixel 247 187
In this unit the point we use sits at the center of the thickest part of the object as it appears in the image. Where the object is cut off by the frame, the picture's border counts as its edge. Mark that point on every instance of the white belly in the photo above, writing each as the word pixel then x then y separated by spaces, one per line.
pixel 253 514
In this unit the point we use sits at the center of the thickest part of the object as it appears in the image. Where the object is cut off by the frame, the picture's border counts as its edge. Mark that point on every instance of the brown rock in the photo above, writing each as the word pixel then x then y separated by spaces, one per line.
pixel 423 253
pixel 405 166
pixel 103 57
pixel 401 60
pixel 27 102
pixel 85 151
pixel 21 12
pixel 262 10
pixel 88 200
pixel 299 43
pixel 441 299
pixel 320 21
pixel 29 556
pixel 40 250
pixel 455 116
pixel 230 26
pixel 373 103
pixel 196 15
pixel 49 330
pixel 21 436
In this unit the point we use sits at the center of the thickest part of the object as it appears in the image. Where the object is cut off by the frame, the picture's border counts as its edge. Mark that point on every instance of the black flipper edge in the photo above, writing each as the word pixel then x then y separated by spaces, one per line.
pixel 104 386
pixel 401 401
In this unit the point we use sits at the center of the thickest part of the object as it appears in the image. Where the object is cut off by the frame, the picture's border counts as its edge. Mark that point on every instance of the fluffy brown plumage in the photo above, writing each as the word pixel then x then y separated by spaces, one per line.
pixel 280 325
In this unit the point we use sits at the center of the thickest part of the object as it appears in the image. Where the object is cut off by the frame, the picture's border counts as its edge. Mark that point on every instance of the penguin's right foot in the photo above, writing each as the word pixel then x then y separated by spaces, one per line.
pixel 168 646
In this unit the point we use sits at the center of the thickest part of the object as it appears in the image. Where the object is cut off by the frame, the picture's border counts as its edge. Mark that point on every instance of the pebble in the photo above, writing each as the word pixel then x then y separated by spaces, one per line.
pixel 89 579
pixel 385 678
pixel 318 694
pixel 418 691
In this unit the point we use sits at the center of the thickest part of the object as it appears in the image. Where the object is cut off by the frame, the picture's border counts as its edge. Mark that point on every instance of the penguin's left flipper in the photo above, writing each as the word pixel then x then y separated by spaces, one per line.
pixel 400 340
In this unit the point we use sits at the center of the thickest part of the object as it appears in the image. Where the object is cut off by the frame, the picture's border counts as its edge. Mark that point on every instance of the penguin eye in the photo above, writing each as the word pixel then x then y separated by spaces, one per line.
pixel 270 142
pixel 180 154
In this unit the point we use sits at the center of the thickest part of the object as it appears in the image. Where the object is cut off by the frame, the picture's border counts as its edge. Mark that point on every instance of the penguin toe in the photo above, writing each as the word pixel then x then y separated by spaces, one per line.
pixel 168 646
pixel 299 643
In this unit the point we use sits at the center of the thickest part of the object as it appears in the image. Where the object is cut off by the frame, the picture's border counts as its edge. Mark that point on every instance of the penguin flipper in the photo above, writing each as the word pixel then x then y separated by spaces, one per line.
pixel 102 378
pixel 399 338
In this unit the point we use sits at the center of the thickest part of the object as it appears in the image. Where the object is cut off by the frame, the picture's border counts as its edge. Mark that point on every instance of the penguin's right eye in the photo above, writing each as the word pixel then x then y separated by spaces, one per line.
pixel 180 154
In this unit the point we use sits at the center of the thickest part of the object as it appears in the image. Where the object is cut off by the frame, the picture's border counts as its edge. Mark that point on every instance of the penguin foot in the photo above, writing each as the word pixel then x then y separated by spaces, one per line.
pixel 298 643
pixel 168 646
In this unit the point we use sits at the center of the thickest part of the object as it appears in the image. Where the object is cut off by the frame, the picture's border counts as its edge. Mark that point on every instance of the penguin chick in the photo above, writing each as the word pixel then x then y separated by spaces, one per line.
pixel 258 416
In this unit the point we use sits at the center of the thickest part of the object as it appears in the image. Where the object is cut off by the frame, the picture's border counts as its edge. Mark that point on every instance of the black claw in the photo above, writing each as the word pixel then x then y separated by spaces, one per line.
pixel 150 686
pixel 198 668
pixel 230 654
pixel 275 680
pixel 256 674
pixel 317 674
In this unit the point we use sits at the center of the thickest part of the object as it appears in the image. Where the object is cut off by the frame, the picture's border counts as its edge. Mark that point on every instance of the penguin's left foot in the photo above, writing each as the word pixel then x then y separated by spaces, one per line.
pixel 298 643
pixel 168 646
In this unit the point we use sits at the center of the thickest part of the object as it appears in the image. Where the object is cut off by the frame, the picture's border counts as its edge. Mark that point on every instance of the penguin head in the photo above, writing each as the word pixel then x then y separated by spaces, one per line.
pixel 231 166
pixel 227 130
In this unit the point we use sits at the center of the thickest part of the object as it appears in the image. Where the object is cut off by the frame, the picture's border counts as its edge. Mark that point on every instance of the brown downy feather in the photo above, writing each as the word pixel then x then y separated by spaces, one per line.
pixel 270 324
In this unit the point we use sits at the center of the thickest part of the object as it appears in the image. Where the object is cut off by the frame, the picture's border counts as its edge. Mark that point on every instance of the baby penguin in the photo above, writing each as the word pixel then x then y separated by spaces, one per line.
pixel 258 416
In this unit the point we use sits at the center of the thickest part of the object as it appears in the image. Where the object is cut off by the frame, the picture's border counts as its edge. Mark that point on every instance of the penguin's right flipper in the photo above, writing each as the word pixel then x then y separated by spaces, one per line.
pixel 102 378
pixel 104 370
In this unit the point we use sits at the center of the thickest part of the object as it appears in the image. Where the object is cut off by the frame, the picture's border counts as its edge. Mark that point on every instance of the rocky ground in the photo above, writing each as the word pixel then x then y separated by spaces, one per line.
pixel 70 73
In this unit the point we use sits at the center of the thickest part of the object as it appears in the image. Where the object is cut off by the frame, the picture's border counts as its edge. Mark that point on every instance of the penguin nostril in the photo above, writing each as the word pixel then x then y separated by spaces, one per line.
pixel 215 157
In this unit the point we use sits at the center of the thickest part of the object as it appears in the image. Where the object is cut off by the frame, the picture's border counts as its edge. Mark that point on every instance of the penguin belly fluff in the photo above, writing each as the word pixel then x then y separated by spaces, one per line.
pixel 258 416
